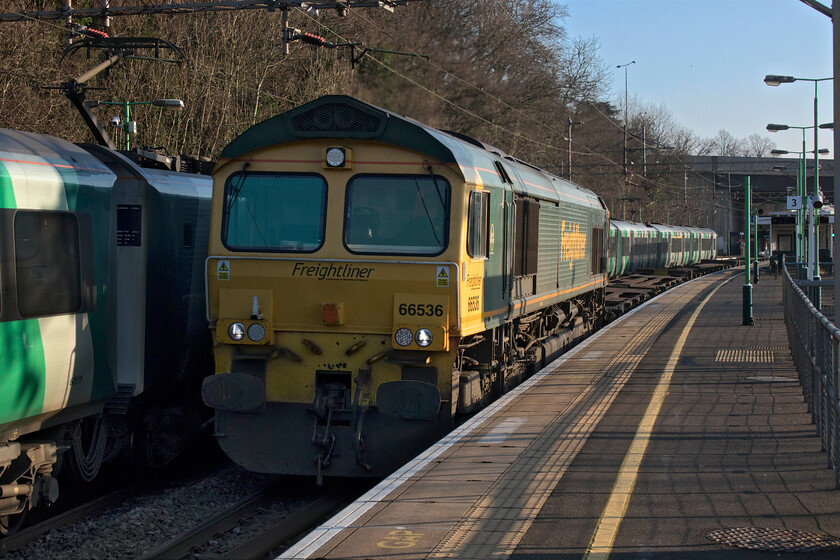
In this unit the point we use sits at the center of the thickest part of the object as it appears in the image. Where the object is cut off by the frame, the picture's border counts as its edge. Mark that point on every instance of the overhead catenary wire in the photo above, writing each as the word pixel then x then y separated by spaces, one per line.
pixel 664 186
pixel 676 189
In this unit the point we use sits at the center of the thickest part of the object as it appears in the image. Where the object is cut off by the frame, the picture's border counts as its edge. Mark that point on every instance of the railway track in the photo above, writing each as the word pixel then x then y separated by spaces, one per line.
pixel 73 515
pixel 211 539
pixel 631 290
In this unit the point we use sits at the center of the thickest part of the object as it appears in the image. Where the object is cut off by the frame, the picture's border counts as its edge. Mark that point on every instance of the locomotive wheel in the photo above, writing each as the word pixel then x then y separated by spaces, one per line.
pixel 154 447
pixel 11 524
pixel 63 437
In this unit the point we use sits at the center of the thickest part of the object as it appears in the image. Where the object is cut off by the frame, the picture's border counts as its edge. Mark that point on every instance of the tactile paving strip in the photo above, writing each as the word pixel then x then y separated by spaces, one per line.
pixel 774 540
pixel 745 356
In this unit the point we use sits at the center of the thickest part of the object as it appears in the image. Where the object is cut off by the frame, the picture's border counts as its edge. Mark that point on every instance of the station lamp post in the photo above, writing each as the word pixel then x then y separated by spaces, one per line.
pixel 747 299
pixel 833 12
pixel 130 127
pixel 800 207
pixel 626 178
pixel 812 246
pixel 776 80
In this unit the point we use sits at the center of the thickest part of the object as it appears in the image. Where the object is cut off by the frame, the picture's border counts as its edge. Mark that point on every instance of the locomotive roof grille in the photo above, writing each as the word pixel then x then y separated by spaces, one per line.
pixel 338 119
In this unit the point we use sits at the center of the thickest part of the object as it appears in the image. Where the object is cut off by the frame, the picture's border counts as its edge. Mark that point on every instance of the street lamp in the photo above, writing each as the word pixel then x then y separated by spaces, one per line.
pixel 625 129
pixel 130 127
pixel 784 152
pixel 812 250
pixel 571 124
pixel 800 181
pixel 776 80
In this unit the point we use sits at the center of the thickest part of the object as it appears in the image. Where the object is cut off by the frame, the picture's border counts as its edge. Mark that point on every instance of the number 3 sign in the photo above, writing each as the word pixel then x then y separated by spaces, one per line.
pixel 794 202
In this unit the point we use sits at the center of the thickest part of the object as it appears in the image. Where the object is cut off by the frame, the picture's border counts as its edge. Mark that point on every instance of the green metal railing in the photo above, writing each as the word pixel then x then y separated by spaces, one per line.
pixel 815 345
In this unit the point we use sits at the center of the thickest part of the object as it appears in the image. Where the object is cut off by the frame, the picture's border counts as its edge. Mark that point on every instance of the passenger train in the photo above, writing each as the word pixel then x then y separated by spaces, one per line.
pixel 102 328
pixel 633 246
pixel 369 278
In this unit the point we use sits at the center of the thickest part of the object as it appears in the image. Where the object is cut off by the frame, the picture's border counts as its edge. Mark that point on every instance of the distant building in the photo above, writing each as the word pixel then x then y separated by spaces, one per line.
pixel 716 185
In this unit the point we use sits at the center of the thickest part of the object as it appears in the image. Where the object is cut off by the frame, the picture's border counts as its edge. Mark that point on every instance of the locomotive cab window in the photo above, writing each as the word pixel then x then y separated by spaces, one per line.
pixel 280 212
pixel 47 263
pixel 397 214
pixel 477 239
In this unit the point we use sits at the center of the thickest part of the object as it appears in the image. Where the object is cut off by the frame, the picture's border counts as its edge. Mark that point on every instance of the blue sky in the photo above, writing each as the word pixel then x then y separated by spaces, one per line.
pixel 705 60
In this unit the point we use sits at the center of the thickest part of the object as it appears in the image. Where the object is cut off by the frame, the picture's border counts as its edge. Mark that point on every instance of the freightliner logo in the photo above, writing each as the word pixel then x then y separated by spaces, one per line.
pixel 331 271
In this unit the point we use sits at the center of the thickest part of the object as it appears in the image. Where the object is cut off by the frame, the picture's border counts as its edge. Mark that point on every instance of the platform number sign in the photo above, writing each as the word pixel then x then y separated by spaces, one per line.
pixel 794 203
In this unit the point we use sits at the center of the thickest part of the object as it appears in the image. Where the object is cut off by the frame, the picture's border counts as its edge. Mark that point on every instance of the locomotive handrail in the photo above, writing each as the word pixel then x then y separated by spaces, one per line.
pixel 815 346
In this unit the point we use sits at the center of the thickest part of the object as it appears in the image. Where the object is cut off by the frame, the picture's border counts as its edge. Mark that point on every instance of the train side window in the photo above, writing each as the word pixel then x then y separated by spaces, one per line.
pixel 47 263
pixel 477 240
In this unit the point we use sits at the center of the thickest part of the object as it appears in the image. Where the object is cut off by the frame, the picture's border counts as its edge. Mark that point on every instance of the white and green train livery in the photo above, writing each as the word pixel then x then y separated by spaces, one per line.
pixel 100 311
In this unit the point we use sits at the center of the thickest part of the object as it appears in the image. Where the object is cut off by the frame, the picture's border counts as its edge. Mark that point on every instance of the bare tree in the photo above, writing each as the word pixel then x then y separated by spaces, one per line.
pixel 758 146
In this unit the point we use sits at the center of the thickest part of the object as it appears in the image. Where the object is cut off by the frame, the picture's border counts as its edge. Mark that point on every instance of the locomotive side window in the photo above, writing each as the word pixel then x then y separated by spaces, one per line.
pixel 597 250
pixel 397 214
pixel 47 263
pixel 477 225
pixel 281 212
pixel 527 236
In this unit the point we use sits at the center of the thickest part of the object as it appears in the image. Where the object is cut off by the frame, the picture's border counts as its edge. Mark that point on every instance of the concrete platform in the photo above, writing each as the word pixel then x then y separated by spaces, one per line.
pixel 672 423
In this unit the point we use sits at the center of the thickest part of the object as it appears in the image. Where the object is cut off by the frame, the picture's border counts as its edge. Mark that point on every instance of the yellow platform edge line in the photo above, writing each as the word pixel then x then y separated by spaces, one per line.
pixel 602 542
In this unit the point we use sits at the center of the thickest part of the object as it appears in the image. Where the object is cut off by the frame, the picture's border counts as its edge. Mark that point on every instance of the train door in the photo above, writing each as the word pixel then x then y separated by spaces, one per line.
pixel 496 279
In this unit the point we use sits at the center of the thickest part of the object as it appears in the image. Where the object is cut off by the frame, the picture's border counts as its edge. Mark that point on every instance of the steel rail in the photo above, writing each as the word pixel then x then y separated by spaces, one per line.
pixel 179 547
pixel 74 515
pixel 282 532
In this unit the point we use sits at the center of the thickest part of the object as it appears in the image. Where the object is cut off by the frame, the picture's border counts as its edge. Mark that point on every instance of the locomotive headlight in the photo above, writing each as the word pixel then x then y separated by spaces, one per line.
pixel 335 157
pixel 423 337
pixel 403 337
pixel 256 332
pixel 236 331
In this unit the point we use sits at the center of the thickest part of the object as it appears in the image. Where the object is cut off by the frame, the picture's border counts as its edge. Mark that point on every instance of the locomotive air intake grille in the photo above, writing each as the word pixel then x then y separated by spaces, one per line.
pixel 335 118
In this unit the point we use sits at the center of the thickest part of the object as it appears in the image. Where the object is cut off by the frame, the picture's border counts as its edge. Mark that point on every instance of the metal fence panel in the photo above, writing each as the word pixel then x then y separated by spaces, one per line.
pixel 815 345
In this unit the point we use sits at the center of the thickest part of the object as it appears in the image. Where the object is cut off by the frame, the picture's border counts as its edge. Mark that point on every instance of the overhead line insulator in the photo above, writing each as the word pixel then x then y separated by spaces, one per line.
pixel 313 39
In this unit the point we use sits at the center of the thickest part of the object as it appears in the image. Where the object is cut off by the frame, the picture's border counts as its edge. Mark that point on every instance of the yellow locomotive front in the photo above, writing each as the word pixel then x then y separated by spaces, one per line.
pixel 335 267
